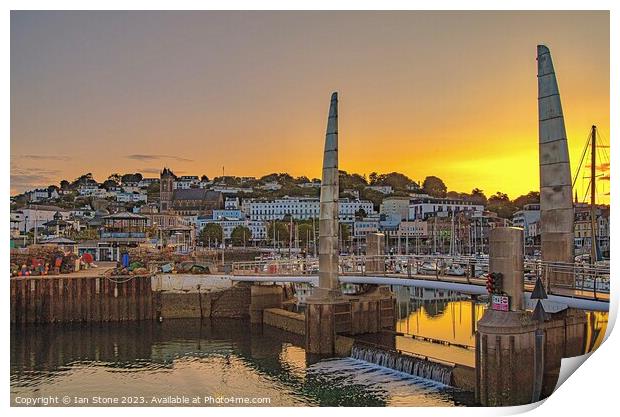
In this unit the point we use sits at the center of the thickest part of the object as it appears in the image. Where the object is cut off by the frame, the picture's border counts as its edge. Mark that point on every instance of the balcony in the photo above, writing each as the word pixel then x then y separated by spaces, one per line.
pixel 123 236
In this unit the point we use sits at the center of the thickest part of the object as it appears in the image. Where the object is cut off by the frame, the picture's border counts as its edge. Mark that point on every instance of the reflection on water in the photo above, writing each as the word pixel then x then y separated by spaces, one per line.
pixel 230 358
pixel 436 315
pixel 215 358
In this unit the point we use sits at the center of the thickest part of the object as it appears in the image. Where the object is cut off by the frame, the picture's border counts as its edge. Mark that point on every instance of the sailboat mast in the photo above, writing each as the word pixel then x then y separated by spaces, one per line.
pixel 593 254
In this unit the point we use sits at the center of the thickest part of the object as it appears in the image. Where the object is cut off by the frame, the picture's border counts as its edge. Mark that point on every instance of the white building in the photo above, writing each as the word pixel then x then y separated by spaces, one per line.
pixel 231 203
pixel 301 208
pixel 41 194
pixel 16 218
pixel 131 197
pixel 271 186
pixel 421 208
pixel 383 189
pixel 363 227
pixel 186 182
pixel 88 189
pixel 219 214
pixel 415 228
pixel 34 216
pixel 147 182
pixel 523 218
pixel 395 206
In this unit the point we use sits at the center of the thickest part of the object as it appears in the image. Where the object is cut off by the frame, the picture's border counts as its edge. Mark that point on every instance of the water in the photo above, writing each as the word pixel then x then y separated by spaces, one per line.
pixel 228 358
pixel 146 363
pixel 404 363
pixel 442 324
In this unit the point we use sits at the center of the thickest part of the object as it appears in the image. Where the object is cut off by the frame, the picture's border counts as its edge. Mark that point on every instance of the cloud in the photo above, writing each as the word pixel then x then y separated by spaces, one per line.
pixel 153 157
pixel 43 157
pixel 150 171
pixel 23 179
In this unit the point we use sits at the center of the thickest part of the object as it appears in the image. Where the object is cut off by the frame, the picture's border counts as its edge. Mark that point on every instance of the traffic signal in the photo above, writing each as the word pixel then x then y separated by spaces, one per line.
pixel 491 283
pixel 499 283
pixel 495 283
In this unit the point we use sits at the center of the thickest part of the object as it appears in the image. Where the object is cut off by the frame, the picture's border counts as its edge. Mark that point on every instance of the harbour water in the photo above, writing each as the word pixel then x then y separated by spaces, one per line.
pixel 149 363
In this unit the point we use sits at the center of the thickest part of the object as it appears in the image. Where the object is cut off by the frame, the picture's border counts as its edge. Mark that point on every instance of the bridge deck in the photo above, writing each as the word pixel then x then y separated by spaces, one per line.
pixel 575 298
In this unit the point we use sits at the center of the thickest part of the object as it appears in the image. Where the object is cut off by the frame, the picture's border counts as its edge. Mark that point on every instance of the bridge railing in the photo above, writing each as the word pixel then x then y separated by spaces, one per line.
pixel 577 276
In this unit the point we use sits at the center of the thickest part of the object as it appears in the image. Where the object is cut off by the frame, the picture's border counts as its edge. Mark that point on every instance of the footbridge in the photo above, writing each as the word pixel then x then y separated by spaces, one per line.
pixel 588 290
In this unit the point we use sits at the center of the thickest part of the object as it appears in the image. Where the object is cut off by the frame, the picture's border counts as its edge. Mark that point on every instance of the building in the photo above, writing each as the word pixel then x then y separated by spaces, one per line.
pixel 413 229
pixel 228 213
pixel 523 218
pixel 383 189
pixel 271 186
pixel 398 206
pixel 186 182
pixel 16 218
pixel 423 208
pixel 34 216
pixel 41 194
pixel 166 188
pixel 119 232
pixel 171 230
pixel 187 202
pixel 131 197
pixel 301 208
pixel 583 229
pixel 147 182
pixel 231 203
pixel 362 227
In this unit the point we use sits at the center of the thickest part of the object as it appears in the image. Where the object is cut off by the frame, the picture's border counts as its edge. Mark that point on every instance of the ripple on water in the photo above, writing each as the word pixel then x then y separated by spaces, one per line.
pixel 384 384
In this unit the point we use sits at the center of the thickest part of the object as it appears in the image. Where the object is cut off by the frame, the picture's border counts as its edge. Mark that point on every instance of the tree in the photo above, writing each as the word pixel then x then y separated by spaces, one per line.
pixel 351 181
pixel 477 197
pixel 281 231
pixel 360 214
pixel 212 232
pixel 83 180
pixel 305 234
pixel 372 178
pixel 116 177
pixel 127 178
pixel 204 178
pixel 241 235
pixel 533 197
pixel 396 180
pixel 435 187
pixel 64 185
pixel 108 184
pixel 345 233
pixel 501 204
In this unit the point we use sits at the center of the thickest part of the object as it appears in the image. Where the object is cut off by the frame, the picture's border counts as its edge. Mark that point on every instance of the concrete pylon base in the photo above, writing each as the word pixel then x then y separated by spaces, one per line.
pixel 321 325
pixel 517 360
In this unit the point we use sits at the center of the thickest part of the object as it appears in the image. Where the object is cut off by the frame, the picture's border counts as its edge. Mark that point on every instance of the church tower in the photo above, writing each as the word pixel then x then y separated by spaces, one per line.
pixel 166 182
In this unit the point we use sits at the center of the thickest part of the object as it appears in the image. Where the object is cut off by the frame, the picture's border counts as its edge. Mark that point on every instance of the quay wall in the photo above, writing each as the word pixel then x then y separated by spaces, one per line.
pixel 285 320
pixel 233 302
pixel 81 299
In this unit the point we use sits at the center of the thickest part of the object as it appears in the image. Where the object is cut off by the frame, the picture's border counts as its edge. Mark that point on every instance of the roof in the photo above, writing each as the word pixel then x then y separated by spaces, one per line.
pixel 43 207
pixel 124 215
pixel 196 194
pixel 60 241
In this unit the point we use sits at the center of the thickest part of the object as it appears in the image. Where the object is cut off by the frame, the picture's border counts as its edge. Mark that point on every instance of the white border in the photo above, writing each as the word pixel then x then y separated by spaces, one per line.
pixel 593 387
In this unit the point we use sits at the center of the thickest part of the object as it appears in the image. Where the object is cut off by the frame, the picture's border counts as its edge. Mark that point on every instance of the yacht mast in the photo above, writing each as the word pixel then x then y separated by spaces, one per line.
pixel 593 254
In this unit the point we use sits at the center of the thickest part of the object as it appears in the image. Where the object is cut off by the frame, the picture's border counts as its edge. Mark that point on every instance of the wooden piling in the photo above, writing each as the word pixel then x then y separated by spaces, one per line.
pixel 80 299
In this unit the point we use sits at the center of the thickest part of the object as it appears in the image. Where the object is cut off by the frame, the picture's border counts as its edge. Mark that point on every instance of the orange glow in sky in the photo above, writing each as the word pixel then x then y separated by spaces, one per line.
pixel 451 94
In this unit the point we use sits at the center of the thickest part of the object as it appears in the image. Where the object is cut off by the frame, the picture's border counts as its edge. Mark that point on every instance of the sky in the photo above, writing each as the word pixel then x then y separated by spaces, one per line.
pixel 450 94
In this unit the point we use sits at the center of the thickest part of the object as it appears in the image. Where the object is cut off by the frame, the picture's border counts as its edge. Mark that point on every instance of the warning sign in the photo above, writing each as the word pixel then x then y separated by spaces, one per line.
pixel 500 303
